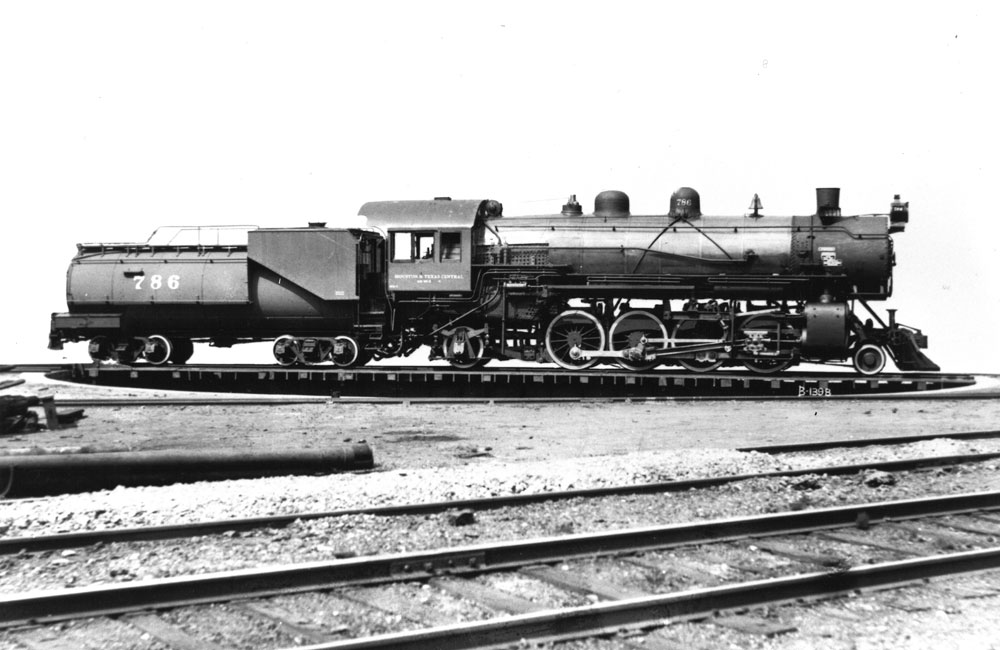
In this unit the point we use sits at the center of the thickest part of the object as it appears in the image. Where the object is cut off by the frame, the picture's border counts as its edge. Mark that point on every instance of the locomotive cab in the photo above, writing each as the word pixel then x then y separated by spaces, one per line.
pixel 430 242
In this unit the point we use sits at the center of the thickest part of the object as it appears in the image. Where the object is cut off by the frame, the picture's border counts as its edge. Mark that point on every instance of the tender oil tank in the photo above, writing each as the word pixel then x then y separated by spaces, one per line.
pixel 685 203
pixel 611 203
pixel 103 277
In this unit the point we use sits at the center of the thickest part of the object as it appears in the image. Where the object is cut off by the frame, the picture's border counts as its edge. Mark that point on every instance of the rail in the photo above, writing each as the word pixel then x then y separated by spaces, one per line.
pixel 13 545
pixel 99 600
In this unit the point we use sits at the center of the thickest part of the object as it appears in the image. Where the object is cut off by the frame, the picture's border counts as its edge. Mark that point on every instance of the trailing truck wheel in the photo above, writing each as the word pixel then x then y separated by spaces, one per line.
pixel 869 359
pixel 157 350
pixel 463 351
pixel 346 352
pixel 183 349
pixel 570 333
pixel 286 350
pixel 628 332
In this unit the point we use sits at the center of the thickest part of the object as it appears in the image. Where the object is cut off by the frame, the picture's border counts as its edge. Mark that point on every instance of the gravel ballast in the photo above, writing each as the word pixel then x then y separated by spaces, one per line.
pixel 441 453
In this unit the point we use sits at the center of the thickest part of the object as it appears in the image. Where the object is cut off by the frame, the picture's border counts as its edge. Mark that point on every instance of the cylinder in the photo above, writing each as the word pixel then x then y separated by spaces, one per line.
pixel 45 475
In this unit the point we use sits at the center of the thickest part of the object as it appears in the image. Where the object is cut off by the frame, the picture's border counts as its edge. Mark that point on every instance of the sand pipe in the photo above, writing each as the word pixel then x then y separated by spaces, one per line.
pixel 44 475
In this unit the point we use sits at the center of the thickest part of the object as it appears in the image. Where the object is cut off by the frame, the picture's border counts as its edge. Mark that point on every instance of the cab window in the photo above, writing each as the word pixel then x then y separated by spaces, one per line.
pixel 410 246
pixel 451 247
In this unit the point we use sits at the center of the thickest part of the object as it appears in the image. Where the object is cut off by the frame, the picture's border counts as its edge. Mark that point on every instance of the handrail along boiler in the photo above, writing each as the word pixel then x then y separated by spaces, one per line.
pixel 574 289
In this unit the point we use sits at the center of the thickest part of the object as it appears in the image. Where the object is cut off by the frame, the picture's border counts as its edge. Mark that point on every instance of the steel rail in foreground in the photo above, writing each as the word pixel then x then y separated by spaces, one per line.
pixel 868 442
pixel 10 545
pixel 442 384
pixel 655 611
pixel 99 600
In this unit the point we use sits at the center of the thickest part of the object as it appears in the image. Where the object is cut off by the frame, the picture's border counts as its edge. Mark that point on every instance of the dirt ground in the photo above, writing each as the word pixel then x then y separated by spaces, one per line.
pixel 441 435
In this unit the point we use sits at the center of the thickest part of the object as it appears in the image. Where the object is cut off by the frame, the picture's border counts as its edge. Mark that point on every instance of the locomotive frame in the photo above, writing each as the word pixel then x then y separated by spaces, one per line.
pixel 474 285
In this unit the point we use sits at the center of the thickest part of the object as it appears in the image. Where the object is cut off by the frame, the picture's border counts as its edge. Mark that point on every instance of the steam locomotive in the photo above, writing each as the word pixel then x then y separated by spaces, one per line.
pixel 473 285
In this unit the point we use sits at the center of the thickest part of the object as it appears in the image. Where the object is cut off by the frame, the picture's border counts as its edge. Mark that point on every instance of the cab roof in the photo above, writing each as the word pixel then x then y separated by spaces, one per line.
pixel 431 215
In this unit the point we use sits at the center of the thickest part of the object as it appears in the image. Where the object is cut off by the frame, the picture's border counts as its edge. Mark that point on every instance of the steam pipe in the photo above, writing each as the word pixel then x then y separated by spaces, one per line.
pixel 44 475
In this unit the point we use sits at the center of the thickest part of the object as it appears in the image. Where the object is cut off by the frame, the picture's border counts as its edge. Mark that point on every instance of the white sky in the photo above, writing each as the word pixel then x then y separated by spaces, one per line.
pixel 117 118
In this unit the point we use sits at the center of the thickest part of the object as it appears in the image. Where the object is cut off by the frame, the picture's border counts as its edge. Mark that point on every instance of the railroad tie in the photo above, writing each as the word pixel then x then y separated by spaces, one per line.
pixel 485 595
pixel 792 553
pixel 581 584
pixel 749 624
pixel 288 623
pixel 172 636
pixel 861 541
pixel 939 537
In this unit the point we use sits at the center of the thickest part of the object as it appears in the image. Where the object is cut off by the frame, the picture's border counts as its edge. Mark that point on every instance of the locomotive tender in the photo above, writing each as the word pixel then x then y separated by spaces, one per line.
pixel 574 289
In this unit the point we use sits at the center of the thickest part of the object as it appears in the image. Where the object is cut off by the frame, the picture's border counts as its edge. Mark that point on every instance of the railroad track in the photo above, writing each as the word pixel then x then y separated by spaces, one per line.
pixel 63 541
pixel 502 383
pixel 590 584
pixel 498 367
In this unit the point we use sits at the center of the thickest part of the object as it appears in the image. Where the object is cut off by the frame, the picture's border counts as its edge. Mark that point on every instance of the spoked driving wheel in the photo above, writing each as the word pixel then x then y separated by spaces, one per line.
pixel 572 333
pixel 699 332
pixel 771 339
pixel 630 330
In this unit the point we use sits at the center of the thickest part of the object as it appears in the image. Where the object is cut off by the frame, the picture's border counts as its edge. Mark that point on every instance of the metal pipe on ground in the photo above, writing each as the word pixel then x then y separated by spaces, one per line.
pixel 46 475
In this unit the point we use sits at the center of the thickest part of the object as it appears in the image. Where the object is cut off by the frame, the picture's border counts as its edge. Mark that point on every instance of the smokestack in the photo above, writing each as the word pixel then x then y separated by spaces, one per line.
pixel 828 204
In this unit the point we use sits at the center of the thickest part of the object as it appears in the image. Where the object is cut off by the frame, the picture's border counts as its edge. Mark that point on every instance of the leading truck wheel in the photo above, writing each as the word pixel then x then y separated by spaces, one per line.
pixel 869 359
pixel 463 351
pixel 569 334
